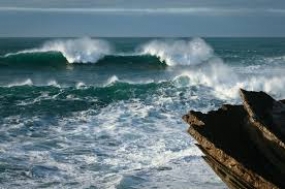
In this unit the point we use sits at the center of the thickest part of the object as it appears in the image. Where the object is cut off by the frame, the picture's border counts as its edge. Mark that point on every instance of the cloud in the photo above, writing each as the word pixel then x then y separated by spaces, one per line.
pixel 142 3
pixel 280 11
pixel 192 10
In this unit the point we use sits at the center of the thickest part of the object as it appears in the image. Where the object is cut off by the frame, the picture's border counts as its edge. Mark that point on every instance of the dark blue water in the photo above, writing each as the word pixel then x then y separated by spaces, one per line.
pixel 106 113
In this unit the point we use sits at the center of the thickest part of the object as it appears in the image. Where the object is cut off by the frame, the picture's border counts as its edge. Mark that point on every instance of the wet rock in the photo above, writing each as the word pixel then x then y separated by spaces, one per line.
pixel 244 144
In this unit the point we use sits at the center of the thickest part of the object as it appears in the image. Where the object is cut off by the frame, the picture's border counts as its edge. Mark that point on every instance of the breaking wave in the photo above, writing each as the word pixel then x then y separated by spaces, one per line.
pixel 87 50
pixel 81 50
pixel 225 81
pixel 217 78
pixel 215 74
pixel 179 52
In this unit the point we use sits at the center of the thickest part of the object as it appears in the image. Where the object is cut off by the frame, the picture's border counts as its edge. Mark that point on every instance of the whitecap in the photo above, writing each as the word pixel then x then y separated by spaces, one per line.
pixel 179 52
pixel 28 82
pixel 81 50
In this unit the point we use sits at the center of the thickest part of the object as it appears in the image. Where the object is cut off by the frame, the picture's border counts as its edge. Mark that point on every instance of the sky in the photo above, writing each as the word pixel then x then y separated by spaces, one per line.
pixel 142 18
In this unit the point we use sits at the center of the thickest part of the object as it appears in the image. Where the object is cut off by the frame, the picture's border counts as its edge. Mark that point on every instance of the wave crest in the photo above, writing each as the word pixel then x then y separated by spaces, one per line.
pixel 83 50
pixel 87 50
pixel 224 82
pixel 179 52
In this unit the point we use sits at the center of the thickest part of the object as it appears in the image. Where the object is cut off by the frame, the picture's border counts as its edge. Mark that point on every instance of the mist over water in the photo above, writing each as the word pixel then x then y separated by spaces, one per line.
pixel 106 113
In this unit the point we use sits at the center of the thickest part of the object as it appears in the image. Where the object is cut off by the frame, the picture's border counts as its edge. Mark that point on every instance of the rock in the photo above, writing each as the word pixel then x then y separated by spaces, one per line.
pixel 244 144
pixel 267 116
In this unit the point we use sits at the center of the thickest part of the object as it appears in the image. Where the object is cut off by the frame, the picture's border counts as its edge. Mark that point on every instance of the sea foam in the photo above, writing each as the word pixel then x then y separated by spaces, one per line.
pixel 179 52
pixel 27 82
pixel 87 50
pixel 81 50
pixel 225 82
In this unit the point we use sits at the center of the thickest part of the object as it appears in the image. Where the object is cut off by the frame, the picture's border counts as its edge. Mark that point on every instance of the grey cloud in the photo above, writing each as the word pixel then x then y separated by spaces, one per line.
pixel 146 11
pixel 143 3
pixel 142 17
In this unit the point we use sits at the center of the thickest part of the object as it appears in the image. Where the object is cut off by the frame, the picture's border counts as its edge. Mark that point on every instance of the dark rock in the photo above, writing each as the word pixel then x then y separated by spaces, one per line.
pixel 244 144
pixel 266 113
pixel 267 116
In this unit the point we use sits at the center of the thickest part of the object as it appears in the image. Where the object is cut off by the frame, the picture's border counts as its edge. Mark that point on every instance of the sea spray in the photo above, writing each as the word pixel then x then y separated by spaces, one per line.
pixel 87 50
pixel 179 52
pixel 81 50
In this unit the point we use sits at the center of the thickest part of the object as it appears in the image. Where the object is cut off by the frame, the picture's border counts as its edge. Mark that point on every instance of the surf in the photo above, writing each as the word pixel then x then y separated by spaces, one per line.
pixel 179 52
pixel 81 50
pixel 98 51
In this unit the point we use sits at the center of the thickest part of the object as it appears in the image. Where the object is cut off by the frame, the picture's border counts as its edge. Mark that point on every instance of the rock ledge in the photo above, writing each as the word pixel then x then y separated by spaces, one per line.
pixel 244 144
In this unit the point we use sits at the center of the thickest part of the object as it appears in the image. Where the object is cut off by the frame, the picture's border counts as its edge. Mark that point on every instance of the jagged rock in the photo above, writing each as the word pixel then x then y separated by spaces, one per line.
pixel 268 117
pixel 244 145
pixel 267 114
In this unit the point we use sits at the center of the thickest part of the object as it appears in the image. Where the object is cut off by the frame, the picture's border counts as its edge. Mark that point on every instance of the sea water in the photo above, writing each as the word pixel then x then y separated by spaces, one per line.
pixel 106 112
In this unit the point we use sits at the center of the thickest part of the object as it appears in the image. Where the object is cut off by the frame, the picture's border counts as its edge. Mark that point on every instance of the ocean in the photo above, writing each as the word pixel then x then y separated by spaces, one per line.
pixel 106 112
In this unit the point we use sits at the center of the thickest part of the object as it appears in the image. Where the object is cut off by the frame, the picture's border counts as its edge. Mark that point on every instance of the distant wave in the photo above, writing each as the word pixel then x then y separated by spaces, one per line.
pixel 112 80
pixel 33 59
pixel 56 59
pixel 223 81
pixel 81 50
pixel 179 52
pixel 87 50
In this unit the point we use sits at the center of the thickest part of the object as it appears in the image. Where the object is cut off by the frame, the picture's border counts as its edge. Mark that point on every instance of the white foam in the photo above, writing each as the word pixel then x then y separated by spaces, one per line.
pixel 115 120
pixel 87 50
pixel 53 83
pixel 113 79
pixel 132 136
pixel 275 60
pixel 226 82
pixel 28 82
pixel 80 85
pixel 82 50
pixel 179 52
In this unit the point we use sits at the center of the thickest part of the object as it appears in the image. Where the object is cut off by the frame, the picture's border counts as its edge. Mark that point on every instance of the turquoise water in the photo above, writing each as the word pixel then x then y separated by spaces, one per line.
pixel 106 112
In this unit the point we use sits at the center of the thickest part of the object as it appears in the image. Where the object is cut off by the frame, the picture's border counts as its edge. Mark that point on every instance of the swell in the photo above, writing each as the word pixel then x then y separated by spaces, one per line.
pixel 88 50
pixel 28 99
pixel 56 59
pixel 39 59
pixel 216 78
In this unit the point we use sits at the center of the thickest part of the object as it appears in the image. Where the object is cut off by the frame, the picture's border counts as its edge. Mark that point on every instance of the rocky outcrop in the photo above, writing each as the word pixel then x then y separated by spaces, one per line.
pixel 244 144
